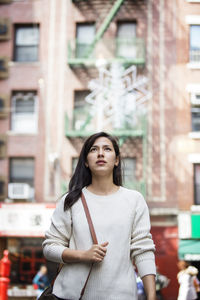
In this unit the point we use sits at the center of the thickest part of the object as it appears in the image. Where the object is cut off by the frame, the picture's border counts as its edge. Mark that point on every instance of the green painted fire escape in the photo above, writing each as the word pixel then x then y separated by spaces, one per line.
pixel 105 24
pixel 89 57
pixel 89 60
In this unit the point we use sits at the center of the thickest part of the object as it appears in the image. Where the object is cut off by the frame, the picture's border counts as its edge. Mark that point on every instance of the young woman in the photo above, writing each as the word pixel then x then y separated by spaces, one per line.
pixel 121 221
pixel 186 277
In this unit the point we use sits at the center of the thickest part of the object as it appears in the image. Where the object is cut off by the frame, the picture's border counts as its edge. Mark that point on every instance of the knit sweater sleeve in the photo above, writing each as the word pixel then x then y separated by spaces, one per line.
pixel 142 246
pixel 58 235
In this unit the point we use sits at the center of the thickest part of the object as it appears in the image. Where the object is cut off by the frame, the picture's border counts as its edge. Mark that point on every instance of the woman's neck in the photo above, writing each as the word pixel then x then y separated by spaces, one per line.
pixel 102 186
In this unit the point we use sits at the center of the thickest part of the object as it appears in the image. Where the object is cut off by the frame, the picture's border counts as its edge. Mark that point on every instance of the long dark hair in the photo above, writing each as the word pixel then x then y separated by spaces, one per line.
pixel 82 175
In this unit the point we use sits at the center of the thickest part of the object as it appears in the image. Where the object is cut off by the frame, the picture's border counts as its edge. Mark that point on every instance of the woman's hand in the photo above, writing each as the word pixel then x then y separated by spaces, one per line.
pixel 96 253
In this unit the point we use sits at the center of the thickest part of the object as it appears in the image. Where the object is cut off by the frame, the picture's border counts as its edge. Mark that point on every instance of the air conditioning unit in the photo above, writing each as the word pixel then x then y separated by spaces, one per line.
pixel 3 106
pixel 4 67
pixel 195 98
pixel 19 191
pixel 5 1
pixel 5 29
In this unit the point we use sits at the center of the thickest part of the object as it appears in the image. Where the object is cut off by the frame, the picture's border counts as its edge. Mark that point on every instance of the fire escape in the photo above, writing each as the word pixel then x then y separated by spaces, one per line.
pixel 87 56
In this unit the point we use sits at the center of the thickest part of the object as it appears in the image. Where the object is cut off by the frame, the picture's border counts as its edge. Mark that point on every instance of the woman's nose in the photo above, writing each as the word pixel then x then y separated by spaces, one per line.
pixel 100 153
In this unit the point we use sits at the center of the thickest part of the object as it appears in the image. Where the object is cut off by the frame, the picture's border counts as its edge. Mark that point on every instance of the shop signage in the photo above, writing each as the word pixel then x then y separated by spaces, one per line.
pixel 192 257
pixel 188 225
pixel 25 219
pixel 184 225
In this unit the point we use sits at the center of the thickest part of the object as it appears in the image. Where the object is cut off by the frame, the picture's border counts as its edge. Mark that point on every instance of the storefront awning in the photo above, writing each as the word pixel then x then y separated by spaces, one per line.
pixel 189 250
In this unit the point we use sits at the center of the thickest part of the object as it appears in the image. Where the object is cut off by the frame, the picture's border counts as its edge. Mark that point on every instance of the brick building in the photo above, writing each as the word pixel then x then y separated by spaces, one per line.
pixel 49 52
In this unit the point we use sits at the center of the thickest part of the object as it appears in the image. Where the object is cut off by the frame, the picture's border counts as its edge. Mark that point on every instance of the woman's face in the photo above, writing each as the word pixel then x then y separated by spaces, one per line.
pixel 101 158
pixel 182 265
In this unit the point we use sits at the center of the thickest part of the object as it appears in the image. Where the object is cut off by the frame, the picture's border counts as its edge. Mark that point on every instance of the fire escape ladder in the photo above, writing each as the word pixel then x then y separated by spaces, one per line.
pixel 105 24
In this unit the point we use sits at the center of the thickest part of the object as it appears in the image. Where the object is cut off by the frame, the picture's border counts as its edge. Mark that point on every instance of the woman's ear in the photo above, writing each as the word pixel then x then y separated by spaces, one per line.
pixel 86 164
pixel 117 161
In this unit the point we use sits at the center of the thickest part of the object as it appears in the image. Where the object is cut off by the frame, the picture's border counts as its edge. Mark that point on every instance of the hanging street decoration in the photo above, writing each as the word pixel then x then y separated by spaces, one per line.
pixel 118 97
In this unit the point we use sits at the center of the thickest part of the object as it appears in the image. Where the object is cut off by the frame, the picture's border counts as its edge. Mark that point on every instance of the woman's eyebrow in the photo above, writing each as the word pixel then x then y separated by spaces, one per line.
pixel 96 146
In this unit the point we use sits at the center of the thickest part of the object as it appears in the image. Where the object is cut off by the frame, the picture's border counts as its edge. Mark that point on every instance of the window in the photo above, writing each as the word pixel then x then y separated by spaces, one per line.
pixel 194 43
pixel 129 168
pixel 81 110
pixel 197 184
pixel 26 258
pixel 24 112
pixel 26 43
pixel 126 40
pixel 195 117
pixel 85 33
pixel 22 170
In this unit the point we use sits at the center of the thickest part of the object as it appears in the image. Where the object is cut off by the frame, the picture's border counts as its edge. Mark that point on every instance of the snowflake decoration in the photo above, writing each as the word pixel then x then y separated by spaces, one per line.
pixel 118 97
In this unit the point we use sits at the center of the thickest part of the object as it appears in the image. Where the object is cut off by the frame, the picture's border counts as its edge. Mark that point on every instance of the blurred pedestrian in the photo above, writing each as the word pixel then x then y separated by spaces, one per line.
pixel 140 287
pixel 186 278
pixel 41 280
pixel 122 225
pixel 161 282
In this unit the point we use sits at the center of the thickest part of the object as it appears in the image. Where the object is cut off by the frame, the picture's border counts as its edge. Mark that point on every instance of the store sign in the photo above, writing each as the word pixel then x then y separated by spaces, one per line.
pixel 192 257
pixel 188 225
pixel 184 225
pixel 25 219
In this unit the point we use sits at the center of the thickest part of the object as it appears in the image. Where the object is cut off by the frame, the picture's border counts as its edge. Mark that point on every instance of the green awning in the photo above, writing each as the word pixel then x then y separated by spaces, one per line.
pixel 189 250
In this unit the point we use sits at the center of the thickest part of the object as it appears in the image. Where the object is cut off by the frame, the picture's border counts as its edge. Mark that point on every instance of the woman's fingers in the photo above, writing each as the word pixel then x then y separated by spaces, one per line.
pixel 105 244
pixel 98 252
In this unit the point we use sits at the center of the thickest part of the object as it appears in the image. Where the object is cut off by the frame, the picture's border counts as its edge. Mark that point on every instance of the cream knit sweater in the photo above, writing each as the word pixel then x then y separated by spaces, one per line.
pixel 122 219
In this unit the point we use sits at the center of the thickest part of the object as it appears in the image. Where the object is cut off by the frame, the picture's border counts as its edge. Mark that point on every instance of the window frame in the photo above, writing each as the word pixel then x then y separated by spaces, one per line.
pixel 134 159
pixel 125 42
pixel 26 25
pixel 31 117
pixel 12 179
pixel 86 45
pixel 195 109
pixel 191 59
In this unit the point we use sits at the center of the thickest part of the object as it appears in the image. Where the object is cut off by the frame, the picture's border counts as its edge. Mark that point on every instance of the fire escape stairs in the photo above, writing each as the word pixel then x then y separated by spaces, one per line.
pixel 115 8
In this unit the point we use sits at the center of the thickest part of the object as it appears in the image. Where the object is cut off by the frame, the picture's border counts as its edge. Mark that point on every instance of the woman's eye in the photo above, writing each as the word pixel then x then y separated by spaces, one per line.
pixel 108 149
pixel 92 149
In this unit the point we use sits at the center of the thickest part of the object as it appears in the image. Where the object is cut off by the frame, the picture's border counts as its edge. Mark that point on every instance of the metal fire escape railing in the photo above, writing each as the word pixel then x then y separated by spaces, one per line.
pixel 80 124
pixel 84 54
pixel 105 24
pixel 78 53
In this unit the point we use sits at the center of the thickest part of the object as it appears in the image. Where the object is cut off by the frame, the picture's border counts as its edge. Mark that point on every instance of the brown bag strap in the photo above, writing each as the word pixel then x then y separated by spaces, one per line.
pixel 91 226
pixel 94 238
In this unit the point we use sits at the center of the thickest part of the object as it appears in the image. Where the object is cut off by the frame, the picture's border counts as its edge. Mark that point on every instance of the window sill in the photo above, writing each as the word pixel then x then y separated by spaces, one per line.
pixel 24 64
pixel 14 133
pixel 194 65
pixel 194 135
pixel 193 1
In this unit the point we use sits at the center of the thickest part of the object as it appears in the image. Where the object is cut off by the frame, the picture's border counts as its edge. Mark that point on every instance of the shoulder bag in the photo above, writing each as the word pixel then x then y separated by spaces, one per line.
pixel 47 294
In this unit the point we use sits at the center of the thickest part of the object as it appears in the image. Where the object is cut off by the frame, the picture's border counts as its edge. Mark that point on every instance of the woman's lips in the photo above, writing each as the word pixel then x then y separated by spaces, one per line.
pixel 100 162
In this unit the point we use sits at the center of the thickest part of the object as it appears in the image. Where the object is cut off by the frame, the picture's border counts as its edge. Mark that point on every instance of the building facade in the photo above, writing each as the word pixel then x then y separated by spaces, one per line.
pixel 62 65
